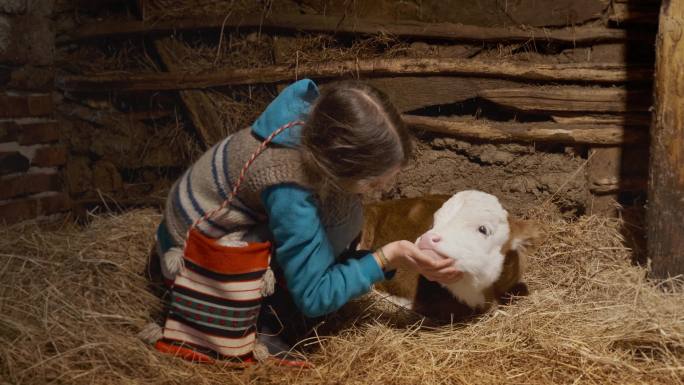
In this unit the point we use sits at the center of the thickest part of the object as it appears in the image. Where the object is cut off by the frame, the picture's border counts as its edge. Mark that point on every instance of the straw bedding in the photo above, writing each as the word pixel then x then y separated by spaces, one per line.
pixel 72 300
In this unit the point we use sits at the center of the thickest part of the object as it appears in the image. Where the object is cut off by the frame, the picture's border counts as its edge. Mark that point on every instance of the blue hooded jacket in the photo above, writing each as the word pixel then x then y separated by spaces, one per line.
pixel 317 283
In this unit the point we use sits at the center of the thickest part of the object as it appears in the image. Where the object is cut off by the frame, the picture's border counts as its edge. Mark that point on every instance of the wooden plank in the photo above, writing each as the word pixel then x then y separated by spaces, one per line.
pixel 354 26
pixel 570 98
pixel 527 132
pixel 665 232
pixel 434 90
pixel 623 119
pixel 579 72
pixel 440 90
pixel 197 103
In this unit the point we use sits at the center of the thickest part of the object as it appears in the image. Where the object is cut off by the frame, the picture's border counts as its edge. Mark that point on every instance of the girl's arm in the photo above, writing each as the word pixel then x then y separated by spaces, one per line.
pixel 316 282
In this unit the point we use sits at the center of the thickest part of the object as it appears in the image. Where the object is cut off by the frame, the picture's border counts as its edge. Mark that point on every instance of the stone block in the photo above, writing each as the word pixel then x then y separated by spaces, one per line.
pixel 52 156
pixel 40 104
pixel 29 208
pixel 106 177
pixel 35 133
pixel 31 78
pixel 19 210
pixel 54 204
pixel 25 105
pixel 13 161
pixel 27 39
pixel 13 6
pixel 27 184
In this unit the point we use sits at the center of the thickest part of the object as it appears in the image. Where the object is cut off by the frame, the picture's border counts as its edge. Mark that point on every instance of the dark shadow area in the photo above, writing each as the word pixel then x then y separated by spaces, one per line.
pixel 642 31
pixel 480 108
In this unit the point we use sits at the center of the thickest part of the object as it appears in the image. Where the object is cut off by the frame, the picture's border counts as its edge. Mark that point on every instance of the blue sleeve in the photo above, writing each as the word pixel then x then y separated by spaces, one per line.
pixel 316 282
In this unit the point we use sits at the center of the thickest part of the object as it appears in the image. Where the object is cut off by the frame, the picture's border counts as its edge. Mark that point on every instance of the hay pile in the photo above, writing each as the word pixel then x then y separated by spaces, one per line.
pixel 72 300
pixel 124 56
pixel 173 9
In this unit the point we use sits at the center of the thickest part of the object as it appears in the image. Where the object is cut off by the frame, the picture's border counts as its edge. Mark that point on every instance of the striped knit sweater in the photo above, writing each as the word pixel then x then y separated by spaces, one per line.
pixel 205 185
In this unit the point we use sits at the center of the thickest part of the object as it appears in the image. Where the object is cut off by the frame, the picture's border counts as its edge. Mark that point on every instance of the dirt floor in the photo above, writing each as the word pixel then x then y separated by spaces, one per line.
pixel 73 299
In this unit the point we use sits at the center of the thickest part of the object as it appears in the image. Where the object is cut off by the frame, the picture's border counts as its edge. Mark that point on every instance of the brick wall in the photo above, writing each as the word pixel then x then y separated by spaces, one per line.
pixel 31 156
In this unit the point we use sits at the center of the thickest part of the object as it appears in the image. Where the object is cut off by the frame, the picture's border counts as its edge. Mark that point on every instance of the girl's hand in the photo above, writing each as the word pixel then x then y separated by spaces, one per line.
pixel 408 255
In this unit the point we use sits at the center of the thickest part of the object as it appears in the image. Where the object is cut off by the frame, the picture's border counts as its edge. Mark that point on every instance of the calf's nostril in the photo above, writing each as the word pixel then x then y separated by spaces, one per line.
pixel 428 240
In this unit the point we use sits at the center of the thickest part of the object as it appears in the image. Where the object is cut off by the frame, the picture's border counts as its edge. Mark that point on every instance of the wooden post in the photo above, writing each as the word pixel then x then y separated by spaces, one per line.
pixel 666 181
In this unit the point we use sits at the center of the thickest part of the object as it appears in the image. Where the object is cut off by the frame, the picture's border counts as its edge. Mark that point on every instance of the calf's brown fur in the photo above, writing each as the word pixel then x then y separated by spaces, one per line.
pixel 408 219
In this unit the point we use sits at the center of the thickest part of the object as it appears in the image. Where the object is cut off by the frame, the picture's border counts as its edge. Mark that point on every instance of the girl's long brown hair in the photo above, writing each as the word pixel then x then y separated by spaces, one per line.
pixel 353 133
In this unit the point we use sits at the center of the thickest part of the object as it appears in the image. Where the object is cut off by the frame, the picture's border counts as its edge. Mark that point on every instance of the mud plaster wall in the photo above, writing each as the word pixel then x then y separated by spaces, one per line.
pixel 519 175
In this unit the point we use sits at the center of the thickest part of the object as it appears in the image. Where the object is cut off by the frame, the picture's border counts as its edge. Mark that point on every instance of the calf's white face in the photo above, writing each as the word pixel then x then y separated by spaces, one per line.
pixel 472 228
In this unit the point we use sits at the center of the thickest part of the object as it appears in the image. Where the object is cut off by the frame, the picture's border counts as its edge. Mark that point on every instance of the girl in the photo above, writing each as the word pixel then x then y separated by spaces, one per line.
pixel 303 194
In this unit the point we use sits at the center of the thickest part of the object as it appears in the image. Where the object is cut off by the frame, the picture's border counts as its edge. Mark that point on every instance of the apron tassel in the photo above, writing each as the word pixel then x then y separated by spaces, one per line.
pixel 268 287
pixel 260 352
pixel 151 333
pixel 172 263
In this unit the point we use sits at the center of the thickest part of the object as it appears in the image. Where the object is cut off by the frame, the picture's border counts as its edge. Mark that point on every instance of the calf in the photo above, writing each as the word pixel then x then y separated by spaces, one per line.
pixel 472 228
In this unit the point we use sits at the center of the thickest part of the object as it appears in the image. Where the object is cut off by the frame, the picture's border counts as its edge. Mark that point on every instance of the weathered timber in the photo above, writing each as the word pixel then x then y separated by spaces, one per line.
pixel 665 231
pixel 623 119
pixel 337 25
pixel 584 99
pixel 434 90
pixel 484 130
pixel 440 90
pixel 580 72
pixel 197 103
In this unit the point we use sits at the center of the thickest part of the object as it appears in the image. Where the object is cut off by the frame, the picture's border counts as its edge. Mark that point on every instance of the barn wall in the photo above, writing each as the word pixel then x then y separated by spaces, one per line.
pixel 31 155
pixel 126 148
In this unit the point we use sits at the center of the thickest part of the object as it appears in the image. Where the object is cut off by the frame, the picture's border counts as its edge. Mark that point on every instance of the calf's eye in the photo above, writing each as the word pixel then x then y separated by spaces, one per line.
pixel 483 230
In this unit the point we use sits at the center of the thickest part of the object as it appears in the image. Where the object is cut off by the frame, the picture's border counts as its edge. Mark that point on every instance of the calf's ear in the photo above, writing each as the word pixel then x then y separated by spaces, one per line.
pixel 525 235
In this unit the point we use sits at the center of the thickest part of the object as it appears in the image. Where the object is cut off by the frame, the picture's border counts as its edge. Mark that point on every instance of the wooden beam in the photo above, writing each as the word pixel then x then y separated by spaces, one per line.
pixel 440 90
pixel 197 103
pixel 434 90
pixel 628 119
pixel 665 231
pixel 527 132
pixel 570 98
pixel 337 25
pixel 580 72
